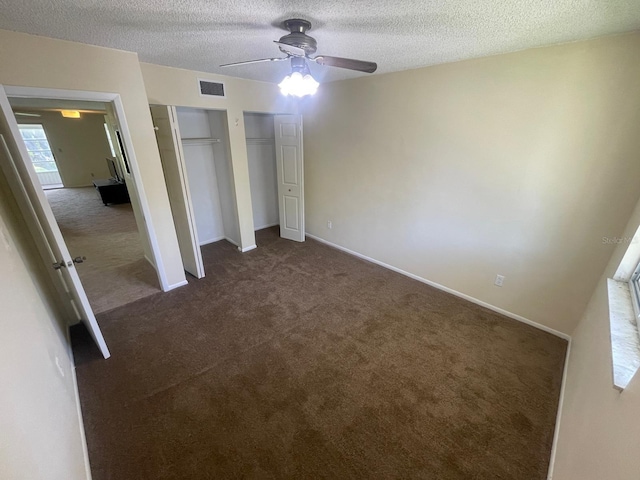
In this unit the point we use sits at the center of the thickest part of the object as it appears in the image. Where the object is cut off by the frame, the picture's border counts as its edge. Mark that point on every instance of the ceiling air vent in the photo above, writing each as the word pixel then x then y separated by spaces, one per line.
pixel 211 89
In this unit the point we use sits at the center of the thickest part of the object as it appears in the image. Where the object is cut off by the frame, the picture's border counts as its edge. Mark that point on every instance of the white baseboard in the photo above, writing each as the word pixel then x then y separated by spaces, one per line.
pixel 266 226
pixel 246 249
pixel 217 239
pixel 176 285
pixel 556 431
pixel 445 289
pixel 231 241
pixel 213 240
pixel 152 264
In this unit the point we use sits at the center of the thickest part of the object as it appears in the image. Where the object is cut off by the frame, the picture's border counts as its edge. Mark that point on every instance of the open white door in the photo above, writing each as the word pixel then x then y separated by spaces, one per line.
pixel 16 165
pixel 290 171
pixel 175 174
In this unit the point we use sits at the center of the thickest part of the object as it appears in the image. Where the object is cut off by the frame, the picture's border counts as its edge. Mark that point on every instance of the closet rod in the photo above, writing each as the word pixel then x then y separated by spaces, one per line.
pixel 260 141
pixel 199 141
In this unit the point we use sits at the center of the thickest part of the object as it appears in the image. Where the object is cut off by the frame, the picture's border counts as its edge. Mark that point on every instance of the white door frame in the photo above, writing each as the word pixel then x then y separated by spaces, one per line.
pixel 116 101
pixel 36 211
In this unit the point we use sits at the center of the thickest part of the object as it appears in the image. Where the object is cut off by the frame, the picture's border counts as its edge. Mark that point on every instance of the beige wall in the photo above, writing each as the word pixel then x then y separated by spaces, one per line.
pixel 174 86
pixel 39 424
pixel 600 427
pixel 515 164
pixel 79 145
pixel 74 66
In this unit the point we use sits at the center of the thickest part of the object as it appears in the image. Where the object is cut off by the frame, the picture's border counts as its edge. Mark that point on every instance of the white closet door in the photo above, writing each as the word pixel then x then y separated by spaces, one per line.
pixel 175 174
pixel 288 130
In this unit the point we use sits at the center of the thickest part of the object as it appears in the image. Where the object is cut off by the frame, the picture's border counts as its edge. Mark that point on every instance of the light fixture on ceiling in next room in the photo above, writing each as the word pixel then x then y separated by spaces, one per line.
pixel 300 82
pixel 70 113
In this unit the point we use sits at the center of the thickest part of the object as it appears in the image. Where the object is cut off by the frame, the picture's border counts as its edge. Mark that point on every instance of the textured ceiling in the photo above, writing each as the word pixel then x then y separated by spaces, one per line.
pixel 399 35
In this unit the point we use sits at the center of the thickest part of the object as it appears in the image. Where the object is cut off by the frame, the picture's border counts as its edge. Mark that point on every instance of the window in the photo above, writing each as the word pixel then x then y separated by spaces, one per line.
pixel 41 155
pixel 123 152
pixel 624 308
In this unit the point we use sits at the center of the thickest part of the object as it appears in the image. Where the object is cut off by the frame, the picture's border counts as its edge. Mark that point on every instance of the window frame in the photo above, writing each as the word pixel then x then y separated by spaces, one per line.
pixel 634 288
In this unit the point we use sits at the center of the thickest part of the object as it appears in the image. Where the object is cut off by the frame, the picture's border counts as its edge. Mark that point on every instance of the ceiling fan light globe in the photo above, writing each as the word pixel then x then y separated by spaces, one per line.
pixel 285 85
pixel 298 85
pixel 312 85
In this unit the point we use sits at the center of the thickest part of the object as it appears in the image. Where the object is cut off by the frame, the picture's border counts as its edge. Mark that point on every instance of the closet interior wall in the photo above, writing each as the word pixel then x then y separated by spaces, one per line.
pixel 261 154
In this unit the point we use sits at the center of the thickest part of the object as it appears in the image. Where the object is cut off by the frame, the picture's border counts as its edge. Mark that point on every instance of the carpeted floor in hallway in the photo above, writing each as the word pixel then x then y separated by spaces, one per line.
pixel 300 361
pixel 115 272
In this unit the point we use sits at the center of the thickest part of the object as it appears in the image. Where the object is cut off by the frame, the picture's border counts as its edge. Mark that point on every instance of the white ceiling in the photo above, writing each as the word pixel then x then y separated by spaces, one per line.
pixel 398 34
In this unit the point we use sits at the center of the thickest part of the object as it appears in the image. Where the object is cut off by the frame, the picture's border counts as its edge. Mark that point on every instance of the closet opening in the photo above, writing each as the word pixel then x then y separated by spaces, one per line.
pixel 205 145
pixel 195 154
pixel 261 155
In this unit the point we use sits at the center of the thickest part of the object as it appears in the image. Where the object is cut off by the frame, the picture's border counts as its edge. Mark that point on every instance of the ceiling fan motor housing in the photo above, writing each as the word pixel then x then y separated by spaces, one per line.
pixel 299 64
pixel 298 37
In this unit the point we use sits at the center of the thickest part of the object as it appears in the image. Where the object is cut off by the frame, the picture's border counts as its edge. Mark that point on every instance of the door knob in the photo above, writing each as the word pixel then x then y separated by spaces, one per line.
pixel 59 265
pixel 79 259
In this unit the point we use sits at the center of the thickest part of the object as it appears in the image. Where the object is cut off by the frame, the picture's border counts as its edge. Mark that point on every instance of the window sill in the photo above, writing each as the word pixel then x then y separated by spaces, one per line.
pixel 625 342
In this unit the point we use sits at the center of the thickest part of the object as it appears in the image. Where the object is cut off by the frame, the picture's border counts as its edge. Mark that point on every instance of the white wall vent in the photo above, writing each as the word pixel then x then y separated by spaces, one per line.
pixel 211 89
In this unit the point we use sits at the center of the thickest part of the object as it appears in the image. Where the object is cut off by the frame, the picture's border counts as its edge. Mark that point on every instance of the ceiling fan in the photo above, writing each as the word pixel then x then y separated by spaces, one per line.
pixel 298 46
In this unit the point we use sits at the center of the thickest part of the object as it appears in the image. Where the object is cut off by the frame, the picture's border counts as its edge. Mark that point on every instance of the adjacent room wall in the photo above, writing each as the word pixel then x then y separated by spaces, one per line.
pixel 600 426
pixel 40 428
pixel 73 66
pixel 516 164
pixel 79 145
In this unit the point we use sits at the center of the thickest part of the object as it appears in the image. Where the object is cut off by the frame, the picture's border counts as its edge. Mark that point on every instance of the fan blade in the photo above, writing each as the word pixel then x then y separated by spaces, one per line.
pixel 359 65
pixel 280 59
pixel 290 49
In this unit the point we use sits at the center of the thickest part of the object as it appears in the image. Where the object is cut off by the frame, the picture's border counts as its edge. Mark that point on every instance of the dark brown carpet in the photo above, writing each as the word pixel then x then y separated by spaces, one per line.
pixel 300 361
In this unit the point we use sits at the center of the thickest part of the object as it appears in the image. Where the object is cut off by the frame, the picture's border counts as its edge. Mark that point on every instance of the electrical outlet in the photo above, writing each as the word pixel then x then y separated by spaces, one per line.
pixel 329 225
pixel 499 280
